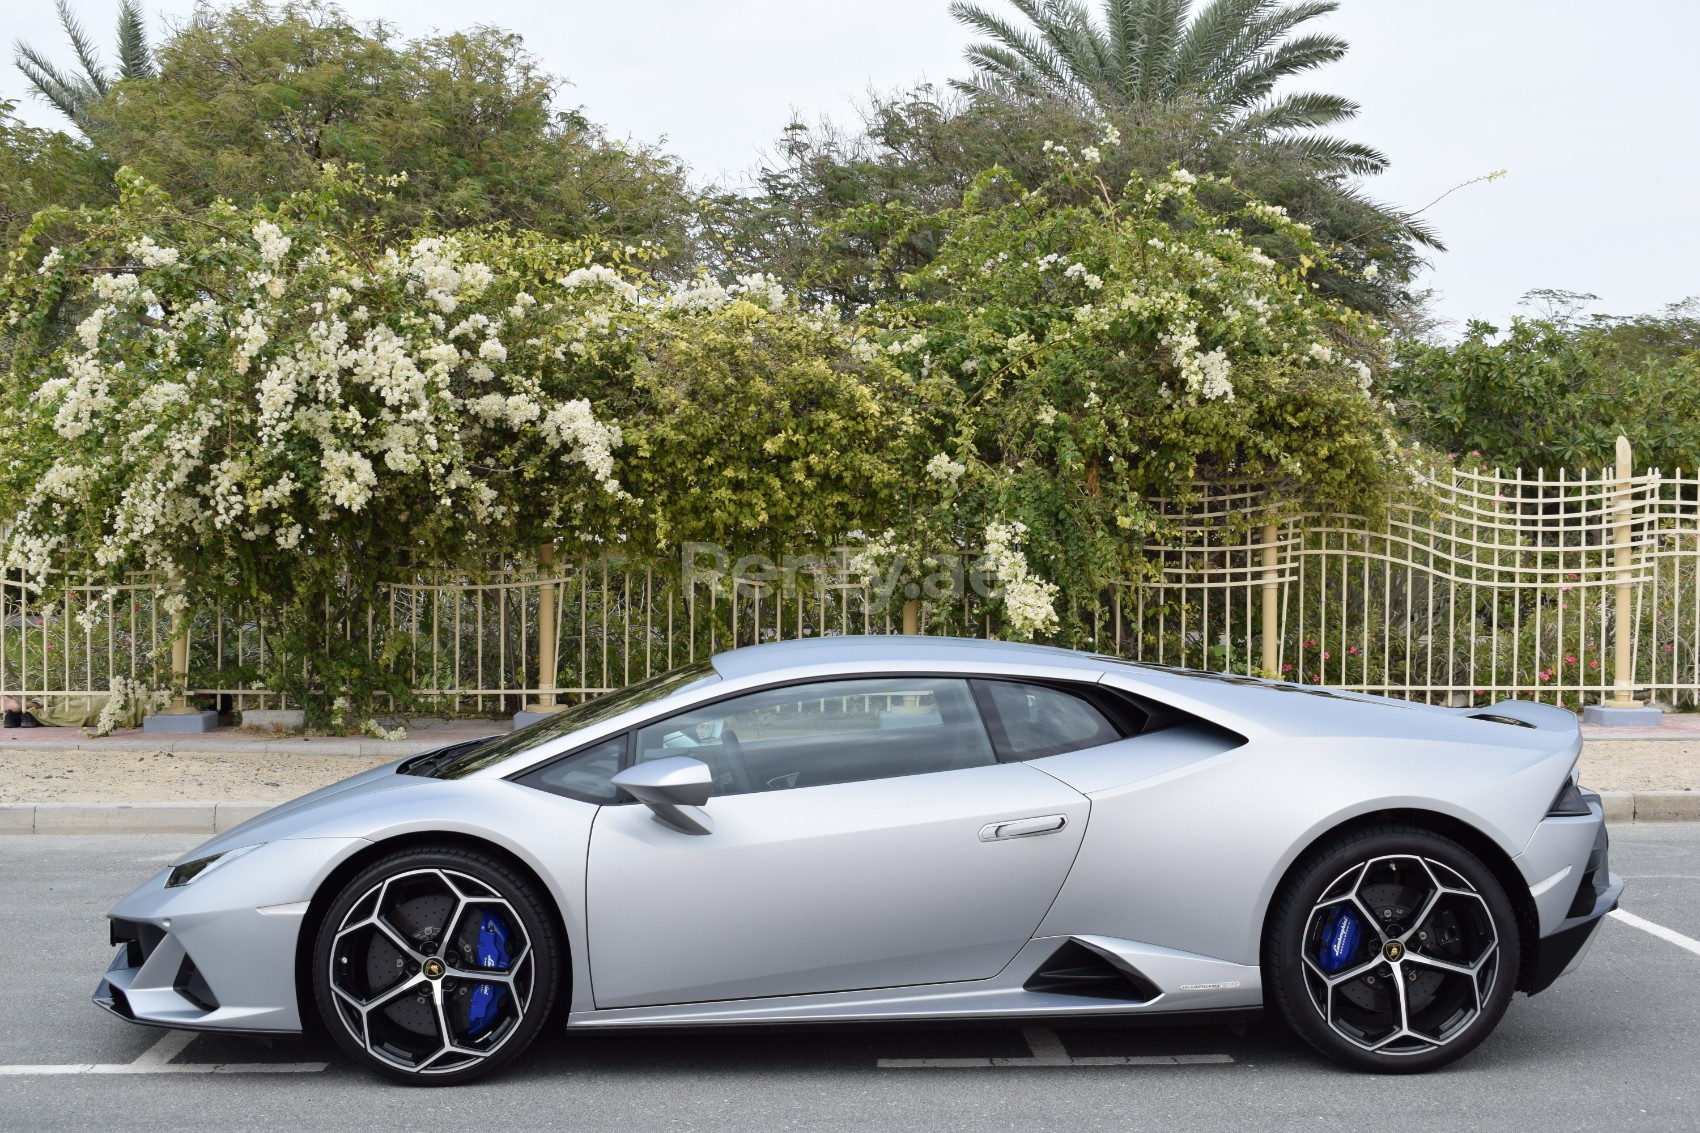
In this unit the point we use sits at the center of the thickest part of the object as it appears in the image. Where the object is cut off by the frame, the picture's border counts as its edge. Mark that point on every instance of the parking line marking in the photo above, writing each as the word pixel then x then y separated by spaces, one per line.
pixel 157 1060
pixel 1048 1050
pixel 1658 930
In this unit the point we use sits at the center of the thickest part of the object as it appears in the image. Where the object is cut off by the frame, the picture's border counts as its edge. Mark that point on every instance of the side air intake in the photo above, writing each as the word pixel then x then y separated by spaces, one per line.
pixel 1075 969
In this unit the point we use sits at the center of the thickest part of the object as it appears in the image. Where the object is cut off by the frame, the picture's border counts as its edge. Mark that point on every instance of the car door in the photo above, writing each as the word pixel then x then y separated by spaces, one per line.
pixel 864 835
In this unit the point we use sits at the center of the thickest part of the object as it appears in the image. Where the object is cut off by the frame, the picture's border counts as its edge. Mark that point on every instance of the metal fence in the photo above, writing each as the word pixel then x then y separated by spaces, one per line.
pixel 1481 585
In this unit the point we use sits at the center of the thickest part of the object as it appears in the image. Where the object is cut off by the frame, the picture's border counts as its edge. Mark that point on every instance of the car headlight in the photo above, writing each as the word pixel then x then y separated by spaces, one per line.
pixel 190 872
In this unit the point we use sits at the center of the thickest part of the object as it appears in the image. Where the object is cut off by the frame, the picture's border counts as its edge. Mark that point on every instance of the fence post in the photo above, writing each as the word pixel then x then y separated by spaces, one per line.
pixel 547 635
pixel 179 716
pixel 1271 603
pixel 912 616
pixel 1623 635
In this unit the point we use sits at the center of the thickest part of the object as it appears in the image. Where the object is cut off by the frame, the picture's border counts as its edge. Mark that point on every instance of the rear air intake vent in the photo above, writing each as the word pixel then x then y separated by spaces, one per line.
pixel 1075 969
pixel 1494 718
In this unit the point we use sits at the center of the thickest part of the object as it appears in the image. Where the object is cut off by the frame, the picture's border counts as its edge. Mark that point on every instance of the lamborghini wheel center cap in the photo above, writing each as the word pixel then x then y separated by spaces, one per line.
pixel 1394 952
pixel 434 968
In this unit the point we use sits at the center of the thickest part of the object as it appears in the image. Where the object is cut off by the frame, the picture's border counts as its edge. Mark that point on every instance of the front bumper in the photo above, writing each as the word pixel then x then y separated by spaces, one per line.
pixel 219 954
pixel 1570 915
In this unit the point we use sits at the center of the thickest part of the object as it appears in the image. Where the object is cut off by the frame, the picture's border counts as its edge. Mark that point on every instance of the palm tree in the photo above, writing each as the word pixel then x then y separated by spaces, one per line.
pixel 1222 64
pixel 74 93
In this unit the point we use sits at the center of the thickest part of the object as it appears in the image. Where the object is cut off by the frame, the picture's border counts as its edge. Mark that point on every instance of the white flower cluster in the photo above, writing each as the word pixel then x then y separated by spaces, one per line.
pixel 1205 375
pixel 945 470
pixel 599 275
pixel 274 245
pixel 127 698
pixel 1078 271
pixel 1029 601
pixel 151 254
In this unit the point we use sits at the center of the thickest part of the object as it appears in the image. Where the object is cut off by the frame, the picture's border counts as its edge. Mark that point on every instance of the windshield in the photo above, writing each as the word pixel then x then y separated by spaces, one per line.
pixel 462 760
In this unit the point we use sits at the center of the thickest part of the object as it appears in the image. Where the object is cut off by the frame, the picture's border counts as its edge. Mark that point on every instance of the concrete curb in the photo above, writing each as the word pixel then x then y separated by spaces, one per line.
pixel 1651 806
pixel 214 745
pixel 126 818
pixel 1621 807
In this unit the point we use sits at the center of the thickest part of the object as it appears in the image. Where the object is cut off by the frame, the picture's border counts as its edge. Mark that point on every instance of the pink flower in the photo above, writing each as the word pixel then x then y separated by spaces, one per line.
pixel 1545 674
pixel 1352 650
pixel 1286 668
pixel 1327 656
pixel 1593 664
pixel 1316 678
pixel 1569 660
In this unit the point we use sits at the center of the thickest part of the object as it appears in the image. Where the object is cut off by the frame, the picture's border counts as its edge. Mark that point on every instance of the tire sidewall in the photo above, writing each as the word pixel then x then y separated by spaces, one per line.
pixel 521 895
pixel 1284 970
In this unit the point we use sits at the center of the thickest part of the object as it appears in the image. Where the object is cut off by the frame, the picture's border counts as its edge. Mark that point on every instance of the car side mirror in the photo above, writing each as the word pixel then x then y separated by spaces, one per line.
pixel 675 789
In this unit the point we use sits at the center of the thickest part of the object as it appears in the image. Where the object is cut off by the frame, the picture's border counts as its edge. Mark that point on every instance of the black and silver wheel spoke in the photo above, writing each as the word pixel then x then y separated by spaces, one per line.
pixel 431 971
pixel 1399 955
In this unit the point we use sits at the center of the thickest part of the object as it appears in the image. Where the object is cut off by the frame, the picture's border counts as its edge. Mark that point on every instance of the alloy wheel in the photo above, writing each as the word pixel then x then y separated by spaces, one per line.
pixel 1400 955
pixel 431 972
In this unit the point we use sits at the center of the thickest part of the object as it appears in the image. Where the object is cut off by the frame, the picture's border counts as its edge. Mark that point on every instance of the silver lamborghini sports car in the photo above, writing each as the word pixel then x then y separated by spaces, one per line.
pixel 899 829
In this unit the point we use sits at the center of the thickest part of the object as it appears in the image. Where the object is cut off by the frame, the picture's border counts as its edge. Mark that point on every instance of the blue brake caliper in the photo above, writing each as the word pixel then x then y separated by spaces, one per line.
pixel 1340 933
pixel 492 954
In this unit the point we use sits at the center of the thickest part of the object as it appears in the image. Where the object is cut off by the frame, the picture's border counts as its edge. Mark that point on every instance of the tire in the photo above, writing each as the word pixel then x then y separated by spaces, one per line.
pixel 437 965
pixel 1423 975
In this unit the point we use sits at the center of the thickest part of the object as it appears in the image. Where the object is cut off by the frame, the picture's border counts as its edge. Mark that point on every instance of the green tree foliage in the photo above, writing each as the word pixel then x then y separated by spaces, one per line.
pixel 1224 64
pixel 1080 352
pixel 832 210
pixel 250 103
pixel 41 168
pixel 74 92
pixel 288 413
pixel 1552 393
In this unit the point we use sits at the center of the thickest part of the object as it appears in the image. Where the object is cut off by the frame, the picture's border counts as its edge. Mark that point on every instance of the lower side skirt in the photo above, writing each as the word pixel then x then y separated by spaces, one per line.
pixel 1216 1017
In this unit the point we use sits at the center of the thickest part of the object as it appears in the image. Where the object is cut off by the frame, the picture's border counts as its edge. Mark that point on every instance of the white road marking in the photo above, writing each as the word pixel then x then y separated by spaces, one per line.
pixel 157 1060
pixel 1048 1050
pixel 1658 930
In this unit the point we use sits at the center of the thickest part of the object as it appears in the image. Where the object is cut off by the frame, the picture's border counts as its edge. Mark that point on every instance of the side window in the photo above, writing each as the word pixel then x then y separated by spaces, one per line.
pixel 1031 721
pixel 827 732
pixel 584 775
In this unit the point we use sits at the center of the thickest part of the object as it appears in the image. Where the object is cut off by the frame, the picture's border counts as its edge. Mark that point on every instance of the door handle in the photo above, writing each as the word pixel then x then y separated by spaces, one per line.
pixel 1022 827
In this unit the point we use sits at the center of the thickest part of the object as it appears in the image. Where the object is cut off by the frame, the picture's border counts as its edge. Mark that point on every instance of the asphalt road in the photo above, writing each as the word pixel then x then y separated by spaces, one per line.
pixel 1615 1046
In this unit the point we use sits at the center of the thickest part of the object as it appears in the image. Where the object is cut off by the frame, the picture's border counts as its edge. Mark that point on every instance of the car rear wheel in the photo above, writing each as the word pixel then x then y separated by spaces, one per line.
pixel 436 966
pixel 1392 949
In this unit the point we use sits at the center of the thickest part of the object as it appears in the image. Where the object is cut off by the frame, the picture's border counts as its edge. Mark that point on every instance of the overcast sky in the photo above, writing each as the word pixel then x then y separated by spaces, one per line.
pixel 1592 109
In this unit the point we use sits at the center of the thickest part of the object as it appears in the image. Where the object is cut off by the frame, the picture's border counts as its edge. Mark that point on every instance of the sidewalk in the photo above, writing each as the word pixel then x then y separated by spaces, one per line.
pixel 59 780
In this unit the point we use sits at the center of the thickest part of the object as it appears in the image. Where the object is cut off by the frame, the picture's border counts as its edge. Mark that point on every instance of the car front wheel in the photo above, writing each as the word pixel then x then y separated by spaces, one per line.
pixel 1392 949
pixel 434 966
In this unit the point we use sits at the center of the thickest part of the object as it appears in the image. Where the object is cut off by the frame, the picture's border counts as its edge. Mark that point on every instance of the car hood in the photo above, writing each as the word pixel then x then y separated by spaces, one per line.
pixel 276 822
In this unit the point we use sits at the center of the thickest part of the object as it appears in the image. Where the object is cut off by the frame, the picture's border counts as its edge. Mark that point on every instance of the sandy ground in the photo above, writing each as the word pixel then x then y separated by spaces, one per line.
pixel 1641 765
pixel 132 776
pixel 164 777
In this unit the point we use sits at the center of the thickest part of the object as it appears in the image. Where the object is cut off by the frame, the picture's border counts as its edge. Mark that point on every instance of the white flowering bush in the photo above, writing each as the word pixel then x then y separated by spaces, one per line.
pixel 267 407
pixel 1080 351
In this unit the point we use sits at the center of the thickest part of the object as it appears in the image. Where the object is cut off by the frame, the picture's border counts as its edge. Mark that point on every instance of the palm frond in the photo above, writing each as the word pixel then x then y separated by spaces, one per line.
pixel 1258 36
pixel 70 94
pixel 1331 155
pixel 1122 21
pixel 1079 41
pixel 87 55
pixel 134 59
pixel 1213 34
pixel 1160 34
pixel 1301 111
pixel 1254 81
pixel 1040 58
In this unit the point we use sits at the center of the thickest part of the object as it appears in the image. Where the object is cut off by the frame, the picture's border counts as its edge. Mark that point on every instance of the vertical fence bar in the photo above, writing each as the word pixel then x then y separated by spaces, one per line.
pixel 1623 639
pixel 1271 603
